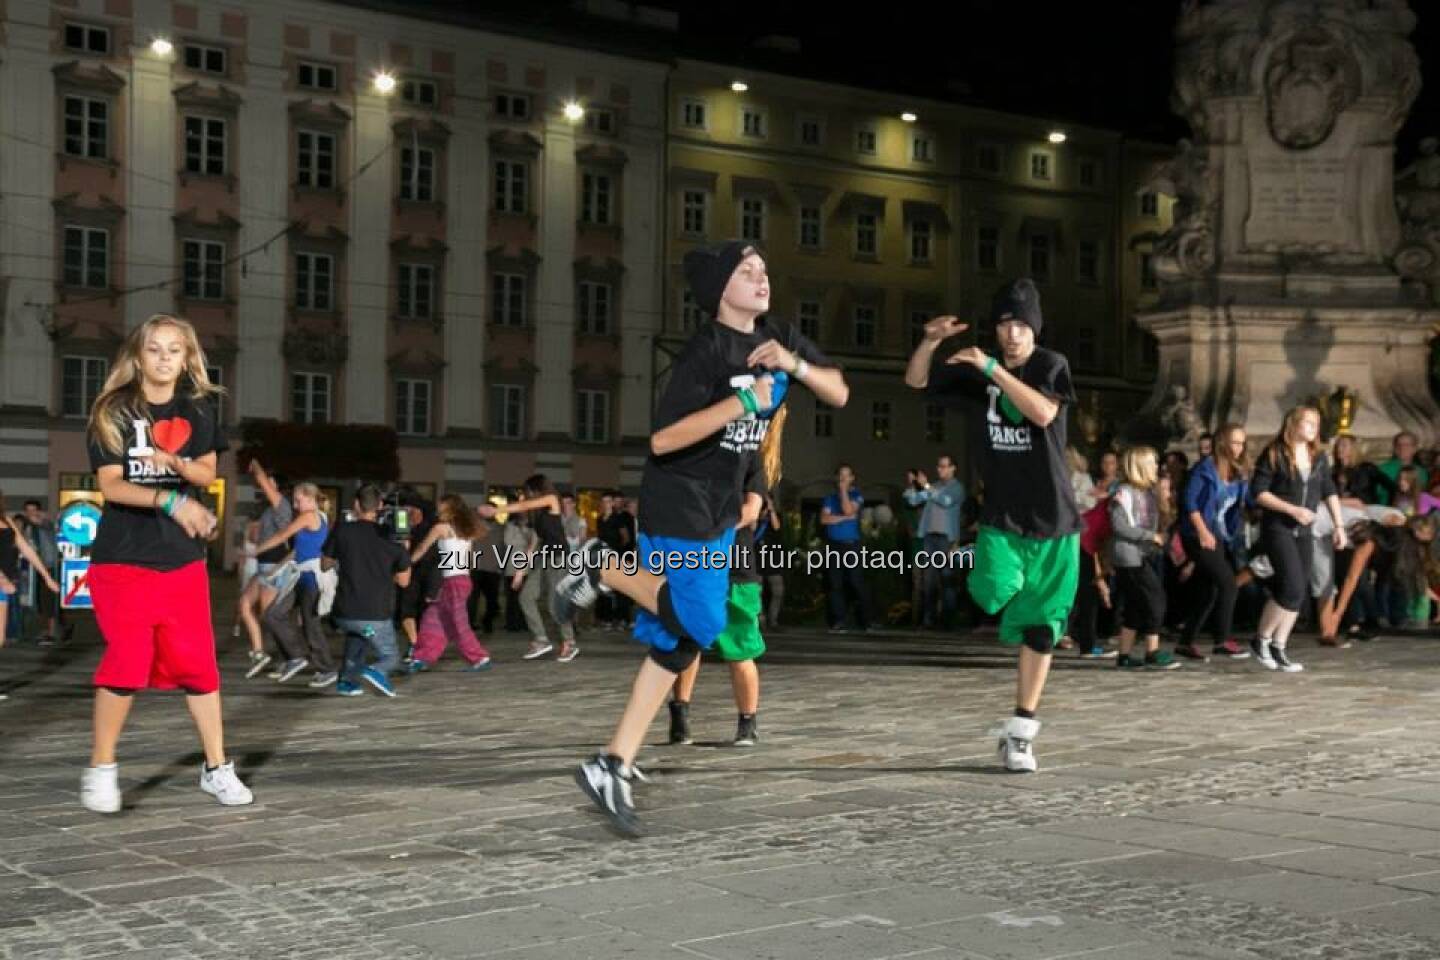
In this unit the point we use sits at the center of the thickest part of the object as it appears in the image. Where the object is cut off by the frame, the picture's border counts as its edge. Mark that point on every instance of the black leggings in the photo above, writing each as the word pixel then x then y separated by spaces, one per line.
pixel 1212 590
pixel 1291 556
pixel 1144 608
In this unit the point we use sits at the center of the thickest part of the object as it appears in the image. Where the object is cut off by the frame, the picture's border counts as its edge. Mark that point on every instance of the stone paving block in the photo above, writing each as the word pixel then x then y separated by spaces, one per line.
pixel 1349 863
pixel 1059 849
pixel 832 939
pixel 1231 844
pixel 1020 933
pixel 449 910
pixel 718 915
pixel 604 946
pixel 1426 816
pixel 1177 869
pixel 903 905
pixel 607 896
pixel 1304 893
pixel 98 879
pixel 160 890
pixel 25 903
pixel 1417 918
pixel 1377 836
pixel 1423 882
pixel 503 930
pixel 788 884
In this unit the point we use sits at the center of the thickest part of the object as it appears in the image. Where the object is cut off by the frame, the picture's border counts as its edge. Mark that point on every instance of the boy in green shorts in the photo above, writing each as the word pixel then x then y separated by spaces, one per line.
pixel 1027 555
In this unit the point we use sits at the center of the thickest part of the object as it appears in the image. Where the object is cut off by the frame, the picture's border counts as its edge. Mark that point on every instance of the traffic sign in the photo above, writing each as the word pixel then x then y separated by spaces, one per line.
pixel 74 585
pixel 78 523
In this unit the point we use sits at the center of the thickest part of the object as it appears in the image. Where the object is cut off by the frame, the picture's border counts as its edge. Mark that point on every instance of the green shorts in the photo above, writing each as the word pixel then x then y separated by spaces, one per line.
pixel 1034 580
pixel 741 639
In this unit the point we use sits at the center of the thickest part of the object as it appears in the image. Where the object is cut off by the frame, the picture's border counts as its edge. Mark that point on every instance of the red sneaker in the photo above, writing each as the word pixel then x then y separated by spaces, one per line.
pixel 1231 648
pixel 1189 651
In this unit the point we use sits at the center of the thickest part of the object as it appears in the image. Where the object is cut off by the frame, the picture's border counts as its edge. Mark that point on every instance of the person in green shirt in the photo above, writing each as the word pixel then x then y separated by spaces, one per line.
pixel 1404 447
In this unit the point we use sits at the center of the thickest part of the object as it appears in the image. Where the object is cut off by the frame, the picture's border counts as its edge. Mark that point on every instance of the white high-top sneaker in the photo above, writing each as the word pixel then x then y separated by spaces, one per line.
pixel 100 789
pixel 1015 736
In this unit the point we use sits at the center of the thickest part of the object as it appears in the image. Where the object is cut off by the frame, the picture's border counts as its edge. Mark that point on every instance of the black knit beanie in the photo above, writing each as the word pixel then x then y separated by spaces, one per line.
pixel 1017 300
pixel 708 270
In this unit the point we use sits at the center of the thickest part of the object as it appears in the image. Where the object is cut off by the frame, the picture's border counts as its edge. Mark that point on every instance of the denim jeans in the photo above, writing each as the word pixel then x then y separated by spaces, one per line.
pixel 378 636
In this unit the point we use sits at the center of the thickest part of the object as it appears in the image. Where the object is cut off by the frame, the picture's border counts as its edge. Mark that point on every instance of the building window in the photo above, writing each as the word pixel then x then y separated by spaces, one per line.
pixel 421 93
pixel 510 186
pixel 922 149
pixel 865 324
pixel 690 316
pixel 205 145
pixel 592 416
pixel 1147 272
pixel 987 249
pixel 692 114
pixel 1087 261
pixel 205 59
pixel 811 132
pixel 865 141
pixel 310 397
pixel 512 106
pixel 921 241
pixel 752 123
pixel 918 319
pixel 87 127
pixel 592 305
pixel 1088 173
pixel 315 76
pixel 693 208
pixel 417 290
pixel 507 300
pixel 1040 256
pixel 314 281
pixel 596 193
pixel 204 270
pixel 87 257
pixel 412 407
pixel 810 228
pixel 867 234
pixel 809 314
pixel 1149 204
pixel 417 174
pixel 934 423
pixel 987 158
pixel 824 424
pixel 600 120
pixel 880 419
pixel 315 161
pixel 1039 166
pixel 752 219
pixel 80 381
pixel 84 38
pixel 507 411
pixel 1085 352
pixel 217 378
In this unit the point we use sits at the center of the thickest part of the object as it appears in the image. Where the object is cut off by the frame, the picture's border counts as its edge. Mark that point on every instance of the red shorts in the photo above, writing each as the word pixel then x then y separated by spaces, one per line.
pixel 156 625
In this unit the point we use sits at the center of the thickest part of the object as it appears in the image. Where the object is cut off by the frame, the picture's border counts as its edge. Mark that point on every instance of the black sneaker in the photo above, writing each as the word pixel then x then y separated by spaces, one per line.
pixel 604 783
pixel 579 591
pixel 745 734
pixel 680 723
pixel 1283 663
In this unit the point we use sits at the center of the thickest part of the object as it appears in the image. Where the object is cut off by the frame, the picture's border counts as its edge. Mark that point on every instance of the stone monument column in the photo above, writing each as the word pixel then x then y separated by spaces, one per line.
pixel 1279 279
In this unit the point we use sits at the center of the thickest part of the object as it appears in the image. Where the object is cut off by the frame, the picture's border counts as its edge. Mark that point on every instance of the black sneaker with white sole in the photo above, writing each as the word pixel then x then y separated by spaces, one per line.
pixel 1283 663
pixel 1260 653
pixel 579 591
pixel 680 723
pixel 605 783
pixel 746 734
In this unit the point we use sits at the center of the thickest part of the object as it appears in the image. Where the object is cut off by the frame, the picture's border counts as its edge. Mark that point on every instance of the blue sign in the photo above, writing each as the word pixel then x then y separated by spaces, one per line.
pixel 78 523
pixel 74 588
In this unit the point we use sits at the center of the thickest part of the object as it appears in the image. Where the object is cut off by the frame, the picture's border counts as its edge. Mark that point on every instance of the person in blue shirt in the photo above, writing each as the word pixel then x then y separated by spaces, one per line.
pixel 1211 520
pixel 840 520
pixel 939 529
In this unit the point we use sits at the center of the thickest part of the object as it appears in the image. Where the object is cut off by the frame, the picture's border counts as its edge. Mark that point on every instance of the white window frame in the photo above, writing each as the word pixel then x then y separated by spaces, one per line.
pixel 91 372
pixel 870 314
pixel 86 137
pixel 415 294
pixel 199 161
pixel 318 71
pixel 410 89
pixel 88 32
pixel 506 306
pixel 804 120
pixel 508 106
pixel 762 122
pixel 417 188
pixel 205 50
pixel 592 416
pixel 314 281
pixel 817 221
pixel 1044 170
pixel 752 211
pixel 872 230
pixel 594 307
pixel 407 393
pixel 502 396
pixel 922 231
pixel 512 185
pixel 927 155
pixel 881 420
pixel 86 248
pixel 308 167
pixel 208 255
pixel 312 387
pixel 691 212
pixel 689 106
pixel 804 315
pixel 980 231
pixel 861 130
pixel 597 198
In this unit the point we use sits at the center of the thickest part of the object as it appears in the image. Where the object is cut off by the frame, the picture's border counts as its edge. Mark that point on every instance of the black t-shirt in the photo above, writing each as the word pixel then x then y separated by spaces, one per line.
pixel 1027 483
pixel 144 536
pixel 617 531
pixel 368 561
pixel 695 493
pixel 550 531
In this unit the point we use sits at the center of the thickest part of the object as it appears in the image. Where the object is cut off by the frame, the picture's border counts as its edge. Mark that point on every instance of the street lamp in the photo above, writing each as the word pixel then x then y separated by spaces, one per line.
pixel 161 47
pixel 573 111
pixel 908 117
pixel 384 83
pixel 1056 136
pixel 739 86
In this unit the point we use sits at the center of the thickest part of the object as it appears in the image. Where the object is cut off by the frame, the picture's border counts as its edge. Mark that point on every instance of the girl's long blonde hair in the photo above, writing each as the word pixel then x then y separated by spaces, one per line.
pixel 1227 464
pixel 770 446
pixel 1282 448
pixel 1140 467
pixel 122 398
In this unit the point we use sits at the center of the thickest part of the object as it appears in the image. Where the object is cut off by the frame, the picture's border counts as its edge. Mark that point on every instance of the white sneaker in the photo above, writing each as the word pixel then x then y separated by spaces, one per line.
pixel 1260 653
pixel 259 660
pixel 1282 662
pixel 222 784
pixel 1015 736
pixel 538 648
pixel 100 789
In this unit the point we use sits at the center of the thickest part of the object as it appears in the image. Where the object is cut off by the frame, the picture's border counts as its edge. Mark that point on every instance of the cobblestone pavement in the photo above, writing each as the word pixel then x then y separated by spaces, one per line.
pixel 1214 812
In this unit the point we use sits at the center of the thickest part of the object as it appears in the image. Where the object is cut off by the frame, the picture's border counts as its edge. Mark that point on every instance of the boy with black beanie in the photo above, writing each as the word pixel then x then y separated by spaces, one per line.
pixel 1027 554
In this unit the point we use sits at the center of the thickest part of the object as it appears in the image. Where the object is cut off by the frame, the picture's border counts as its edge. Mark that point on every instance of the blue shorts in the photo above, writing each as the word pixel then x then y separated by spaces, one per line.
pixel 699 586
